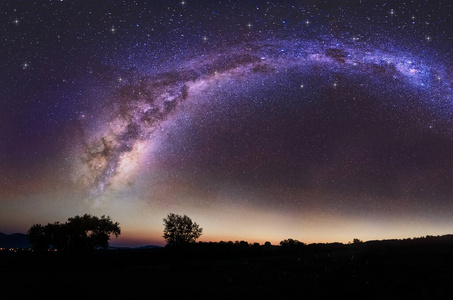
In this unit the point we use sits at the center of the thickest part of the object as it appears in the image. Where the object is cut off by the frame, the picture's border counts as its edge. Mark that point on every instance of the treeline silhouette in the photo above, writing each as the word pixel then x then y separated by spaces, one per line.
pixel 87 233
pixel 414 268
pixel 243 249
pixel 417 268
pixel 84 267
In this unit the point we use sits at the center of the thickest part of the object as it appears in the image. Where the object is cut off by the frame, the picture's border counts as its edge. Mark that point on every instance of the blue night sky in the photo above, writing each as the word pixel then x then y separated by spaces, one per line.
pixel 261 120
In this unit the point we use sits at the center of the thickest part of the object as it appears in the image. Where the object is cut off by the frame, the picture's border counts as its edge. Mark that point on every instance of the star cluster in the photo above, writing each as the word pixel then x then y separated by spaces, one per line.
pixel 311 119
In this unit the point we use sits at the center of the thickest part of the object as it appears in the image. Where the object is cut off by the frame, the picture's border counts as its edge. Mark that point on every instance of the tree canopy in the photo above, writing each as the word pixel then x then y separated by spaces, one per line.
pixel 291 243
pixel 80 233
pixel 180 230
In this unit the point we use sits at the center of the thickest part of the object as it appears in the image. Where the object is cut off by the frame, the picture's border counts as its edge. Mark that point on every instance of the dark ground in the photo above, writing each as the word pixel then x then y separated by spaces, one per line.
pixel 408 269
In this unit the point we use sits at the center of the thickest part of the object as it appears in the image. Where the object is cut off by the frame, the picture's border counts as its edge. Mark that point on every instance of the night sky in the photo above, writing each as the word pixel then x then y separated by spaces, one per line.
pixel 261 120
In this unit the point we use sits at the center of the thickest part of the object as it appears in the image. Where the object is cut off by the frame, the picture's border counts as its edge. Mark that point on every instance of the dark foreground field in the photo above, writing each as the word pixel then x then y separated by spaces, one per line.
pixel 409 269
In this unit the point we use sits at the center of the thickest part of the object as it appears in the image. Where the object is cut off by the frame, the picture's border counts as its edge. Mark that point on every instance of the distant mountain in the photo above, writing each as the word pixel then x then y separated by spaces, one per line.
pixel 15 240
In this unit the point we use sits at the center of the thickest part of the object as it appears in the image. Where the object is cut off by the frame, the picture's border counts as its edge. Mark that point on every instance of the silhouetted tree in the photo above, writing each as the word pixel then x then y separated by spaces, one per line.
pixel 242 244
pixel 180 230
pixel 38 238
pixel 291 243
pixel 357 241
pixel 57 236
pixel 90 232
pixel 77 234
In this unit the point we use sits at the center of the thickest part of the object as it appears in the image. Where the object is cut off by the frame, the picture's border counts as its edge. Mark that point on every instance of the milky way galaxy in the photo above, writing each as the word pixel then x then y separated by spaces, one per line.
pixel 143 105
pixel 311 121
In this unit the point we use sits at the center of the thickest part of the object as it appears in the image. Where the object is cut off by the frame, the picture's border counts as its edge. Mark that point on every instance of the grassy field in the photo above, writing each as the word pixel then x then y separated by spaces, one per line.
pixel 381 270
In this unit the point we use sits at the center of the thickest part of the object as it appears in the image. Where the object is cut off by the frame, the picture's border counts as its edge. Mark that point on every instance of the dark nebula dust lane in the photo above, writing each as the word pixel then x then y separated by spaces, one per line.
pixel 311 120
